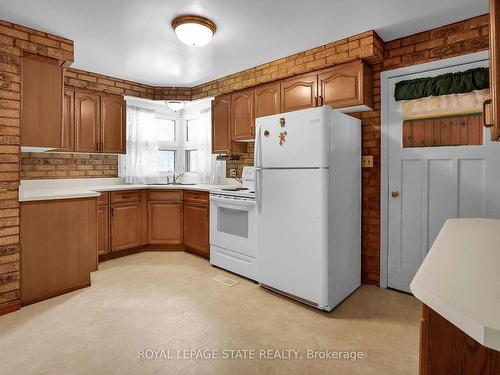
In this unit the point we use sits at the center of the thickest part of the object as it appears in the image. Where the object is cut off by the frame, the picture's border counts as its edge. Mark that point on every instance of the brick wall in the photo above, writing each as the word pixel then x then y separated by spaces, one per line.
pixel 64 165
pixel 13 40
pixel 366 46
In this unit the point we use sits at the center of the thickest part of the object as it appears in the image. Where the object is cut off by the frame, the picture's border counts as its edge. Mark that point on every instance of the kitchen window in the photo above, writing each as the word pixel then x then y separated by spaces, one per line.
pixel 191 160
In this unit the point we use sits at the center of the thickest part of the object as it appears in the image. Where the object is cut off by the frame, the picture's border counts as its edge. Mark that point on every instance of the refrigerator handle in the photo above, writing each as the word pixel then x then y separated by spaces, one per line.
pixel 258 182
pixel 257 152
pixel 258 169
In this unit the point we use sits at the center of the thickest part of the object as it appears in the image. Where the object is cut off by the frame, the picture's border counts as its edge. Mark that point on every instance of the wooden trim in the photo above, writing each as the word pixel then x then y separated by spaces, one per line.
pixel 10 308
pixel 58 293
pixel 193 18
pixel 140 249
pixel 197 252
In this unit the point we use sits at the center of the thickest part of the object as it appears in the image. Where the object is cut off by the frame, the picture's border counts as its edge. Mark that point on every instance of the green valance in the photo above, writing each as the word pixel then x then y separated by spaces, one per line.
pixel 445 84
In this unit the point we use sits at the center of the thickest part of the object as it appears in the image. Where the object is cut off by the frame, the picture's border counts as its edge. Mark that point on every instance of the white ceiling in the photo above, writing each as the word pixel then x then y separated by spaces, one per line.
pixel 132 39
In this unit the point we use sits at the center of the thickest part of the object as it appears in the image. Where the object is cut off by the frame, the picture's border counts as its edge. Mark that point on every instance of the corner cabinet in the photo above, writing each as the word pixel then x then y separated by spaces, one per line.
pixel 494 101
pixel 165 217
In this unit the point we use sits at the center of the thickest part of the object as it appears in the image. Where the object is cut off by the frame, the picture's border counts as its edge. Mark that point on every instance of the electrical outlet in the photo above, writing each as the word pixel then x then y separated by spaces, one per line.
pixel 367 161
pixel 232 172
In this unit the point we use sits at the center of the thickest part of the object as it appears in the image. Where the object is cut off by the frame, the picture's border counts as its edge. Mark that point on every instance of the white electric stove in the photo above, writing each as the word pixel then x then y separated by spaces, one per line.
pixel 233 237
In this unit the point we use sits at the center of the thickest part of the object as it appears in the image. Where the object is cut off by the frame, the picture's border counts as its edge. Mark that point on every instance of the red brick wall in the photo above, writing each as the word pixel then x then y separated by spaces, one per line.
pixel 13 40
pixel 64 165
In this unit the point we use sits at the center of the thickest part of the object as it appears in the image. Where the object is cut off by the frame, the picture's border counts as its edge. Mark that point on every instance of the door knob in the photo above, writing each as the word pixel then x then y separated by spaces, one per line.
pixel 395 194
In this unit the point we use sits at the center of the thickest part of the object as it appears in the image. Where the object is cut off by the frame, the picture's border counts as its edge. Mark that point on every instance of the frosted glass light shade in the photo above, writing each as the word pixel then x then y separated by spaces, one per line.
pixel 193 30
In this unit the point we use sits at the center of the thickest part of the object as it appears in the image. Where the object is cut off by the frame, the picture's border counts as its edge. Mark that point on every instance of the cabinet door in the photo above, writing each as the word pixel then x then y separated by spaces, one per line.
pixel 267 100
pixel 242 118
pixel 102 229
pixel 221 118
pixel 495 68
pixel 127 226
pixel 113 124
pixel 68 122
pixel 346 85
pixel 87 121
pixel 299 93
pixel 42 102
pixel 196 228
pixel 165 222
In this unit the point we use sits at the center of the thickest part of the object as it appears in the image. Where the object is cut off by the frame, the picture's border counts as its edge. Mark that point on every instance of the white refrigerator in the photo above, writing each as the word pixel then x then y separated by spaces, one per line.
pixel 308 196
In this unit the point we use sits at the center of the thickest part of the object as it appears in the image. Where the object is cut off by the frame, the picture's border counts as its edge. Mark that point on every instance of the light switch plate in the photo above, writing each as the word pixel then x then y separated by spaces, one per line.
pixel 367 161
pixel 232 172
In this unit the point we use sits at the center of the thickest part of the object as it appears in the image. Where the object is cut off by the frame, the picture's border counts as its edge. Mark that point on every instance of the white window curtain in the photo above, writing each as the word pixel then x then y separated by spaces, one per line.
pixel 205 159
pixel 141 164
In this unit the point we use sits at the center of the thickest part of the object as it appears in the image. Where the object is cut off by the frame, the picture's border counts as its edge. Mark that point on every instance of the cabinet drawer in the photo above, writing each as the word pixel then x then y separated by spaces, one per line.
pixel 165 195
pixel 125 196
pixel 103 198
pixel 196 196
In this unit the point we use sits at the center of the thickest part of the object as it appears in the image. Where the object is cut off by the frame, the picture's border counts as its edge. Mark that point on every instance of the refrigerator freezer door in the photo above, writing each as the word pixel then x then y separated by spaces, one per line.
pixel 297 139
pixel 292 232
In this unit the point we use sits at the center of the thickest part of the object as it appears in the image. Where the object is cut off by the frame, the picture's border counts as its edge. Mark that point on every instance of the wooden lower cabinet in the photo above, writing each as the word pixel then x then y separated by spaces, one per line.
pixel 102 229
pixel 128 225
pixel 165 222
pixel 445 349
pixel 58 247
pixel 196 228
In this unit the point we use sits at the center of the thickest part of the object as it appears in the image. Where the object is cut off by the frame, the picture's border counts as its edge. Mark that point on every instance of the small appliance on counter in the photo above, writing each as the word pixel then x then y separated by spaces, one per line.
pixel 233 234
pixel 308 198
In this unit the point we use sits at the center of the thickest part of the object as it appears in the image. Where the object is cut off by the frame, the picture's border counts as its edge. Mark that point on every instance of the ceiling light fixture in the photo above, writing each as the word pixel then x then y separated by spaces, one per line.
pixel 175 105
pixel 193 30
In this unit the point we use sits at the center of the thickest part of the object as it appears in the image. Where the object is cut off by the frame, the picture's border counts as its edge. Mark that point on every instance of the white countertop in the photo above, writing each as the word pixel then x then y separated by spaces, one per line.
pixel 35 190
pixel 460 278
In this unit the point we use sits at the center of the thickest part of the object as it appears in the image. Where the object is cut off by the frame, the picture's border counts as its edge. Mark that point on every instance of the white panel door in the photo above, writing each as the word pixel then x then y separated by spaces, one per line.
pixel 298 139
pixel 434 184
pixel 292 235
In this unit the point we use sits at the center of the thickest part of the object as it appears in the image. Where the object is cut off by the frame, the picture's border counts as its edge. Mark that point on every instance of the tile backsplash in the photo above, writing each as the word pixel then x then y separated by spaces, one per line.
pixel 46 165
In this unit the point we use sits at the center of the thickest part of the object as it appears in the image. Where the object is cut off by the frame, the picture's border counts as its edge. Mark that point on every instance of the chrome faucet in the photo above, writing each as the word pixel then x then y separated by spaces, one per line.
pixel 174 178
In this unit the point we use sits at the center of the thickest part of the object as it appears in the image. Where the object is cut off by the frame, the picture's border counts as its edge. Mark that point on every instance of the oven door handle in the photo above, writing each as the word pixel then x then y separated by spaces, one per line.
pixel 232 202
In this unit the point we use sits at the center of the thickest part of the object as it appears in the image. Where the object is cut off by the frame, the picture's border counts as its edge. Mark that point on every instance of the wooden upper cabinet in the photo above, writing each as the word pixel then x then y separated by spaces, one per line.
pixel 299 93
pixel 221 119
pixel 242 119
pixel 68 124
pixel 494 70
pixel 197 228
pixel 87 122
pixel 165 220
pixel 113 124
pixel 267 100
pixel 346 85
pixel 42 102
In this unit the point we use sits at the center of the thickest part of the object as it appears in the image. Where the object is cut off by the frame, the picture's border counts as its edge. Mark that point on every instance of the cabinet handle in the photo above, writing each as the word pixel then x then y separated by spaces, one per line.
pixel 125 196
pixel 97 145
pixel 485 103
pixel 315 101
pixel 320 100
